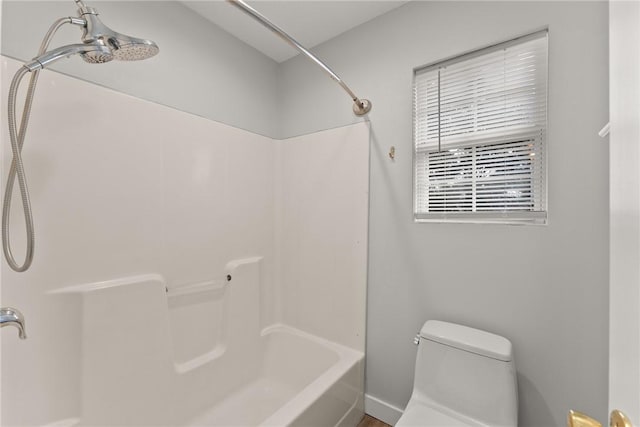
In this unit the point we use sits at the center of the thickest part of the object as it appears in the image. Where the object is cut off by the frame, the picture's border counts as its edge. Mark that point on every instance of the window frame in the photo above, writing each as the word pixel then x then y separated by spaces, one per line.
pixel 489 217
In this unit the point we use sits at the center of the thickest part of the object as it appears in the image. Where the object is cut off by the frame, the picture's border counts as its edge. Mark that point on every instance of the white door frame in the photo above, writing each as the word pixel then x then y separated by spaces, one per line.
pixel 624 164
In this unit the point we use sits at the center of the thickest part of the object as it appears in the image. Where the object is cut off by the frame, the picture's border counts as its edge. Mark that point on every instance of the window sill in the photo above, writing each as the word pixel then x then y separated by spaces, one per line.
pixel 510 218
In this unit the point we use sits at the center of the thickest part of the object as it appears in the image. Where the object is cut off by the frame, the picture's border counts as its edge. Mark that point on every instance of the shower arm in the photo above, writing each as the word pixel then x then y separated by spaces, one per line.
pixel 360 106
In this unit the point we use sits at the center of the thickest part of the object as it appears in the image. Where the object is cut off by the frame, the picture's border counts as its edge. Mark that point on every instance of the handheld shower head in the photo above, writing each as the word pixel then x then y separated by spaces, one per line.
pixel 92 53
pixel 99 44
pixel 123 47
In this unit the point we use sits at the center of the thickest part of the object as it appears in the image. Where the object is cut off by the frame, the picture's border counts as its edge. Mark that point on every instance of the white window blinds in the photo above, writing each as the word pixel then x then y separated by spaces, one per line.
pixel 480 135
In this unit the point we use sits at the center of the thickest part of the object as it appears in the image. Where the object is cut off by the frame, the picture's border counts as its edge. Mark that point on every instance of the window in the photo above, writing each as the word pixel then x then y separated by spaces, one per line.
pixel 480 124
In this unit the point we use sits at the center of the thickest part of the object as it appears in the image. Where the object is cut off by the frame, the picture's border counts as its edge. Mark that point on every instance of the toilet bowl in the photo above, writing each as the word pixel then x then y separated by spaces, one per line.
pixel 463 377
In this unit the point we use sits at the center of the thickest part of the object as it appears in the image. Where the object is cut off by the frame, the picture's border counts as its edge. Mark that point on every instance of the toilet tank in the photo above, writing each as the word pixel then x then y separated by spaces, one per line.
pixel 468 372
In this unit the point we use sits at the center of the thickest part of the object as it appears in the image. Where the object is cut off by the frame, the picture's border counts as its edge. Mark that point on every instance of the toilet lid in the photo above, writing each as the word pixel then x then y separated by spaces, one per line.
pixel 419 415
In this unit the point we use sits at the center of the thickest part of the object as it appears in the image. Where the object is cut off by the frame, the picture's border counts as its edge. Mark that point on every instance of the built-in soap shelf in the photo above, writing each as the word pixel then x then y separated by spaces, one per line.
pixel 215 285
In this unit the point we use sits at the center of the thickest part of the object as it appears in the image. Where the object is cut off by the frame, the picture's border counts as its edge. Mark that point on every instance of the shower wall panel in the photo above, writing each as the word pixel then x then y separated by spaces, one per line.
pixel 322 230
pixel 120 187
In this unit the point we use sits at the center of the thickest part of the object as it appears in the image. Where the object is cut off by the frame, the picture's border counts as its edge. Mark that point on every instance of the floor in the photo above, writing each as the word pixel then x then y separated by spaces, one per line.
pixel 369 421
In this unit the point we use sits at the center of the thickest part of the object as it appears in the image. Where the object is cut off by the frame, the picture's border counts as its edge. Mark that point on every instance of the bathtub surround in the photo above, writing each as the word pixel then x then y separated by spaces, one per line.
pixel 139 227
pixel 543 287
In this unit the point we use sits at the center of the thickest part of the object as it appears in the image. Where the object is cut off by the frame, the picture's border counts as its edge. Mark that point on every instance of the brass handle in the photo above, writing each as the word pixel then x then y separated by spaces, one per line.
pixel 577 419
pixel 618 419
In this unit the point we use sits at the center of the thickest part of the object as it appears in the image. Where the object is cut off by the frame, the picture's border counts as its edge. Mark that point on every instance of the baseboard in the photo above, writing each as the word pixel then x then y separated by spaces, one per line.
pixel 381 410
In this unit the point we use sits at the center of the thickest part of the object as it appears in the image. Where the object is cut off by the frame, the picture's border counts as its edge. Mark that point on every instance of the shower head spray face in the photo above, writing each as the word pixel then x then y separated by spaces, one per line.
pixel 127 48
pixel 97 56
pixel 123 47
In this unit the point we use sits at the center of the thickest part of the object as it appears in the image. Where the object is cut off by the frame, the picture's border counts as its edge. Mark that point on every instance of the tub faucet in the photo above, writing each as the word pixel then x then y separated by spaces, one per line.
pixel 12 317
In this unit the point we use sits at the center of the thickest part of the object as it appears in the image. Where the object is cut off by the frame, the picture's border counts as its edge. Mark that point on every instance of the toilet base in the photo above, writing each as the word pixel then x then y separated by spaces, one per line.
pixel 420 415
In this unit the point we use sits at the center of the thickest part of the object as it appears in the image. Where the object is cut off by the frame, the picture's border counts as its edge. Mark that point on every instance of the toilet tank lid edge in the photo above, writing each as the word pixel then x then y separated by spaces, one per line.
pixel 469 339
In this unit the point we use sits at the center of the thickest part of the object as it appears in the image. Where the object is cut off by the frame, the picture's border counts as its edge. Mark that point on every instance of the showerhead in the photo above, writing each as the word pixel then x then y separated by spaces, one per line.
pixel 127 48
pixel 123 47
pixel 100 44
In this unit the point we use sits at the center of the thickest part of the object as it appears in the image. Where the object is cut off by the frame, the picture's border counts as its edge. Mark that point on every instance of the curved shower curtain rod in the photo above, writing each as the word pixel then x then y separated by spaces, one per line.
pixel 360 106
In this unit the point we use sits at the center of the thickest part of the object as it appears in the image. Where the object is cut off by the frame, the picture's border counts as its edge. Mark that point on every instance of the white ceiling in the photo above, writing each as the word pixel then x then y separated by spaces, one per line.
pixel 310 22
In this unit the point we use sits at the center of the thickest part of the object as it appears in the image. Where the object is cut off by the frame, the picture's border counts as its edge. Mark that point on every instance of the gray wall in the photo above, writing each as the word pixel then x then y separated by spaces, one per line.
pixel 201 69
pixel 543 287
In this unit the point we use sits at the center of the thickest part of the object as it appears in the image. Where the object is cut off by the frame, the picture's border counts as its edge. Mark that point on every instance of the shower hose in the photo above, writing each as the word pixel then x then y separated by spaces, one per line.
pixel 17 168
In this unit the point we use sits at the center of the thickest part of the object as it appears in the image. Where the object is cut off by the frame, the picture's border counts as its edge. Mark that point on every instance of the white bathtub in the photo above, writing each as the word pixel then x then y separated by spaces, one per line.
pixel 303 381
pixel 163 366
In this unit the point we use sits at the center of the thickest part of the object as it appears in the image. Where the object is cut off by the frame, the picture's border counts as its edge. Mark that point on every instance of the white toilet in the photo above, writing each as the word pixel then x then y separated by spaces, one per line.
pixel 464 377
